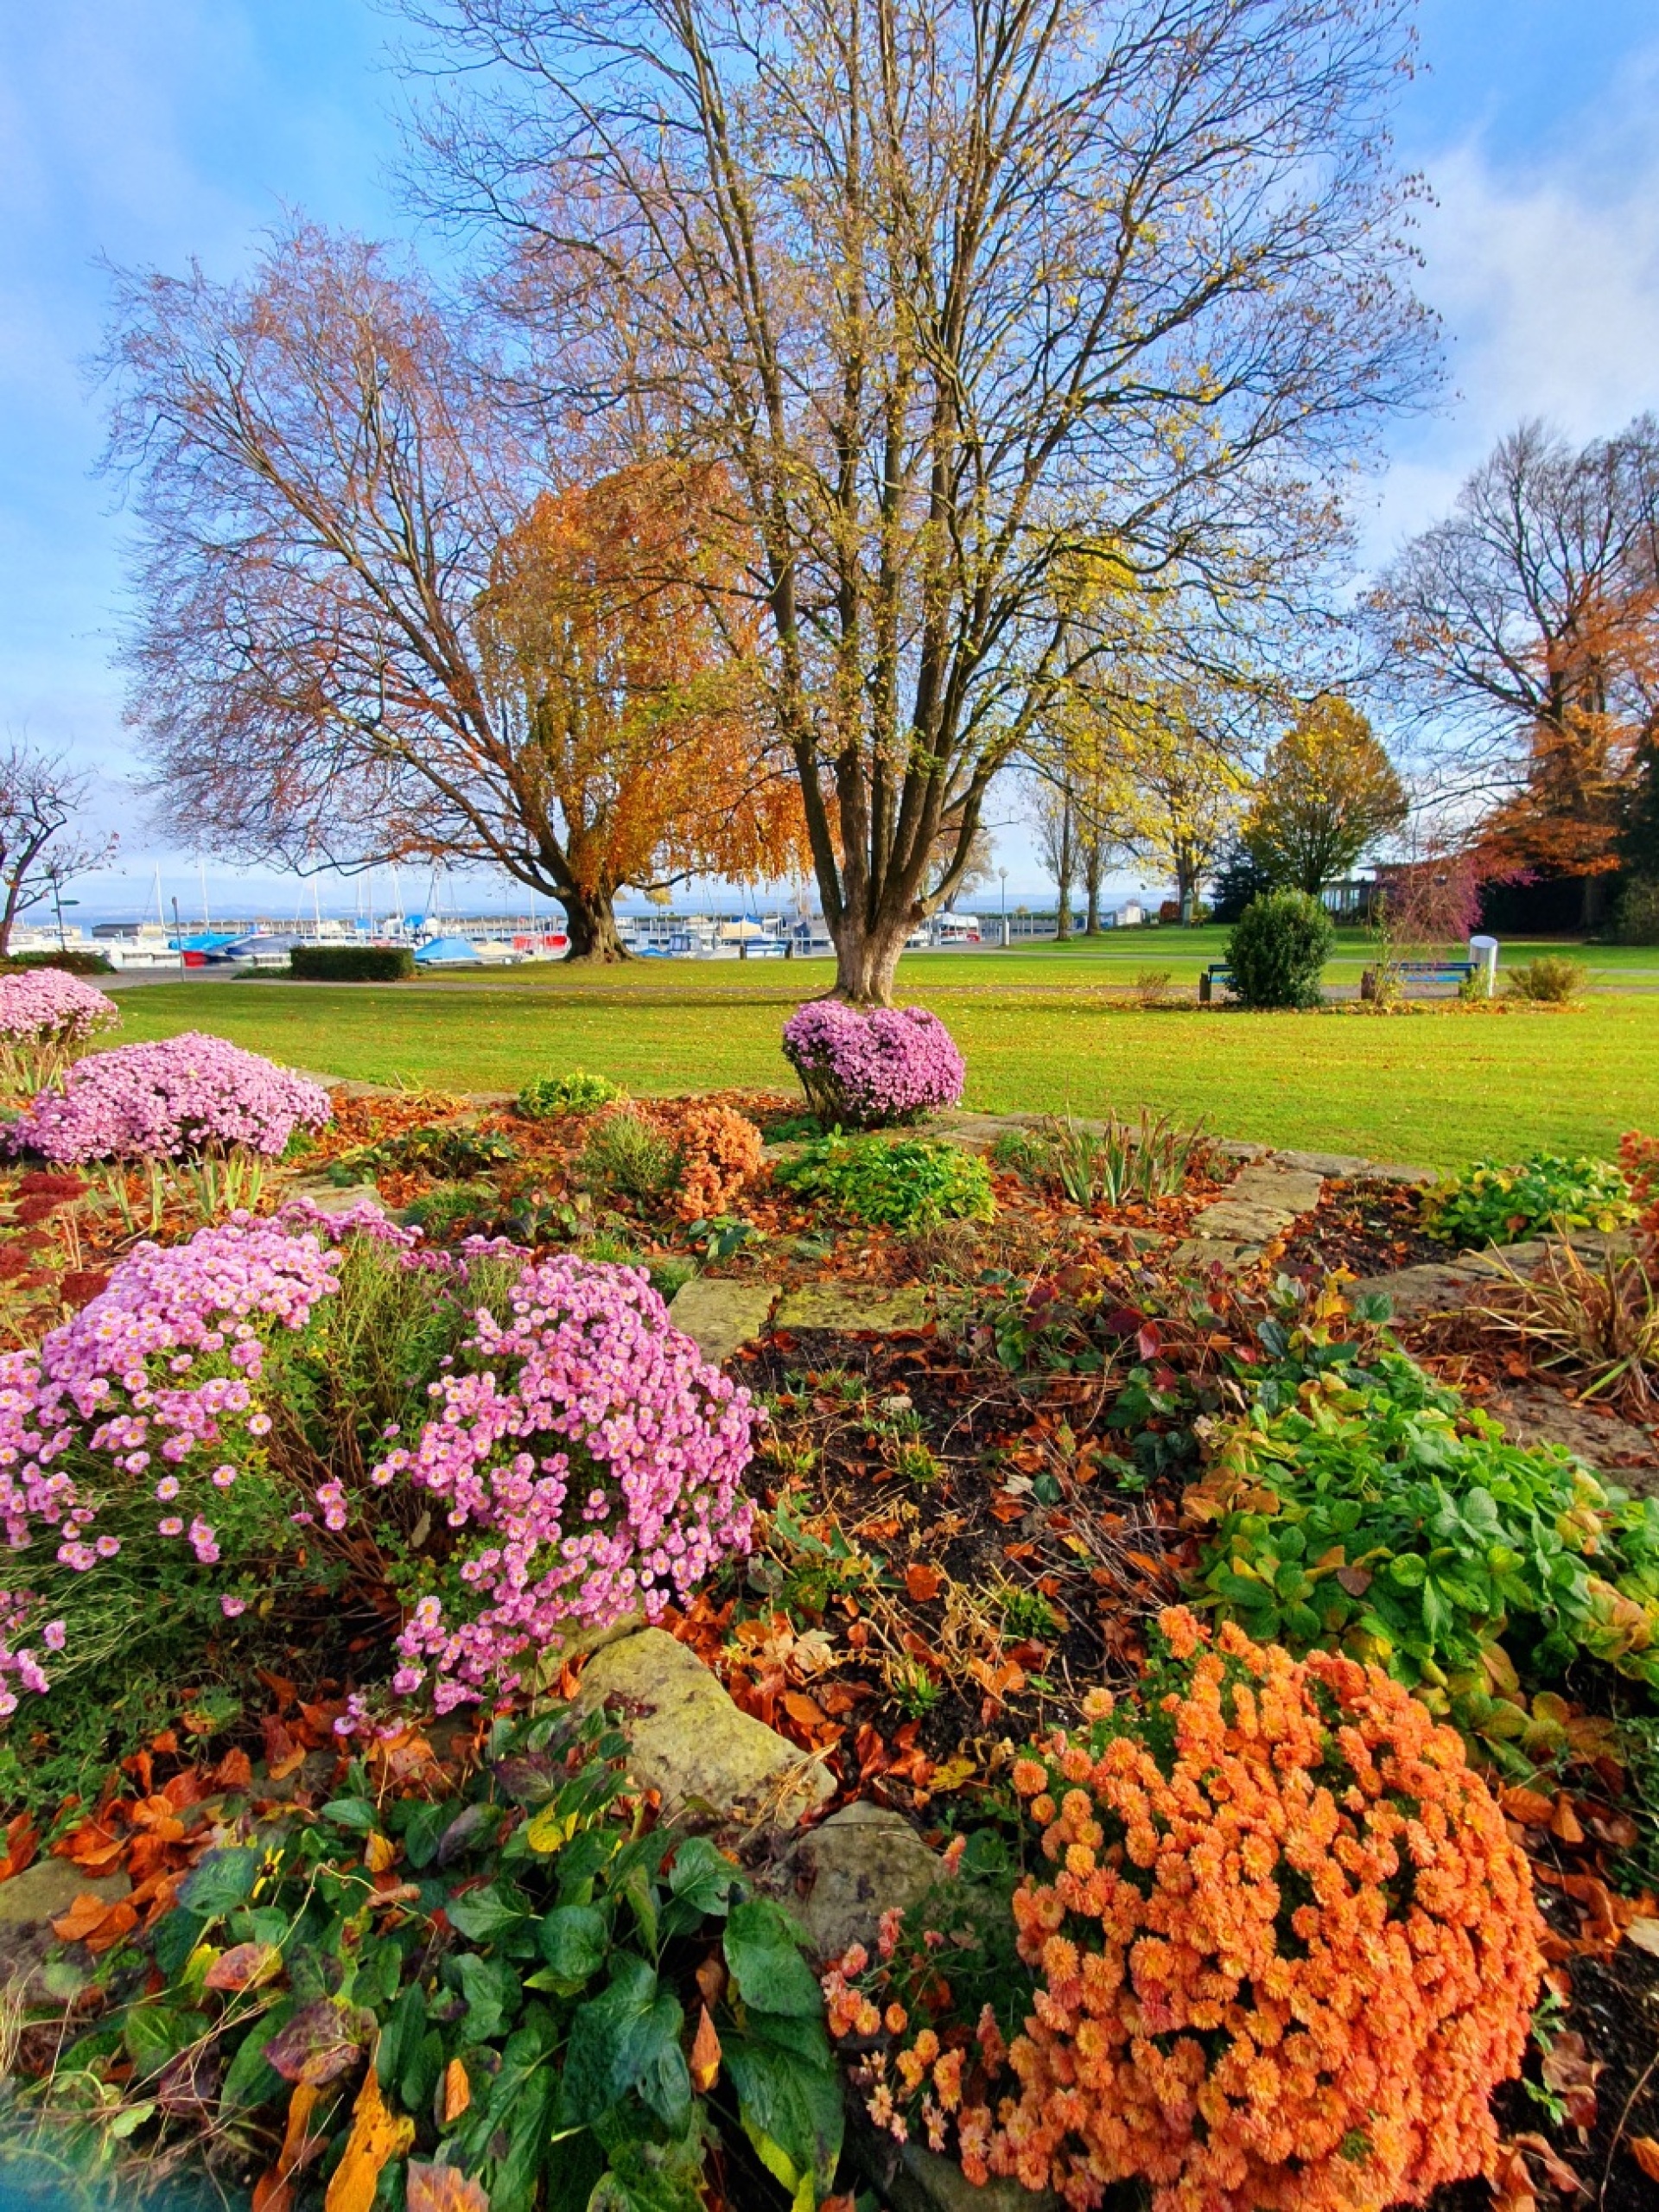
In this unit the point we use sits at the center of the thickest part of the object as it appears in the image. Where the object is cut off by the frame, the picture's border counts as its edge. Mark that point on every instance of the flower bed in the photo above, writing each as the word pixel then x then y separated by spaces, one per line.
pixel 191 1094
pixel 869 1070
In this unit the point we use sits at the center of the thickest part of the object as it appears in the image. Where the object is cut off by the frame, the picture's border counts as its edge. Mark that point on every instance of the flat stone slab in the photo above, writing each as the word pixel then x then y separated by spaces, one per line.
pixel 46 1890
pixel 1534 1414
pixel 1348 1165
pixel 1389 1170
pixel 1415 1293
pixel 719 1316
pixel 1206 1252
pixel 849 1307
pixel 688 1739
pixel 847 1873
pixel 1261 1202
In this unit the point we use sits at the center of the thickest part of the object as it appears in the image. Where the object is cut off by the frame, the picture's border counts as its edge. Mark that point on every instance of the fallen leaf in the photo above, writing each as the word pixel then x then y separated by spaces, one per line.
pixel 1564 1821
pixel 244 1967
pixel 443 2188
pixel 273 2191
pixel 98 1924
pixel 922 1581
pixel 318 2045
pixel 704 2059
pixel 711 1980
pixel 457 2091
pixel 1530 1807
pixel 21 1843
pixel 1644 1934
pixel 377 2136
pixel 379 1852
pixel 1645 2152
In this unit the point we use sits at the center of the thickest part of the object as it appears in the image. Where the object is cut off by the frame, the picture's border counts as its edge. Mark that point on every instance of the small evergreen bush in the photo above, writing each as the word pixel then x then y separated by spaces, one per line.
pixel 351 964
pixel 1551 981
pixel 1278 948
pixel 1637 921
pixel 547 1097
pixel 629 1157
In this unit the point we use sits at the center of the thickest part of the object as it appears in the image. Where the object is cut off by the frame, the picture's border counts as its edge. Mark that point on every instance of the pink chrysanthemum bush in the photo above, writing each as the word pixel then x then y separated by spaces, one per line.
pixel 592 1459
pixel 47 1018
pixel 1286 1952
pixel 242 1429
pixel 193 1106
pixel 870 1070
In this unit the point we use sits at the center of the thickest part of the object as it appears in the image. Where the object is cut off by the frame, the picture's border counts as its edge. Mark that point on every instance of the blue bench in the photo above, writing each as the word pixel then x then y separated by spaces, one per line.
pixel 1420 971
pixel 1217 972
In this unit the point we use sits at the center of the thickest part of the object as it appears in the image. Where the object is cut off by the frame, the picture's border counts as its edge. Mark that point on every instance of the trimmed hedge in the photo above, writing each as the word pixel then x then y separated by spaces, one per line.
pixel 71 962
pixel 351 964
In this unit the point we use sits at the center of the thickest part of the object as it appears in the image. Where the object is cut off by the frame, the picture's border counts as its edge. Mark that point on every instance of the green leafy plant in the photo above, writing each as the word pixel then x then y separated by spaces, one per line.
pixel 548 1097
pixel 351 964
pixel 448 1149
pixel 898 1183
pixel 627 1156
pixel 1548 981
pixel 564 2004
pixel 1278 949
pixel 1147 1159
pixel 1371 1510
pixel 1489 1203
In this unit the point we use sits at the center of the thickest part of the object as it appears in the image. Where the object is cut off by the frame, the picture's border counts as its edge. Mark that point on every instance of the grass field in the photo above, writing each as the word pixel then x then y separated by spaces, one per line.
pixel 1038 1028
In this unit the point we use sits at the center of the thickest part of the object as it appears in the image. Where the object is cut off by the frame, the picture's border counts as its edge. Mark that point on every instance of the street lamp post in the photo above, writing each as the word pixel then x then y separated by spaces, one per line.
pixel 178 927
pixel 1003 873
pixel 61 902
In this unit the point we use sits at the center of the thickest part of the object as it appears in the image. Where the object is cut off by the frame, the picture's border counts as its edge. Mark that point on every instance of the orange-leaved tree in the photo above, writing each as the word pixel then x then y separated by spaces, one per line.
pixel 367 630
pixel 613 625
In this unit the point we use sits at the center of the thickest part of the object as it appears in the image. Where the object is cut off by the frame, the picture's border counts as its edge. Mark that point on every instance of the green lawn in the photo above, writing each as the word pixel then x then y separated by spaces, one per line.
pixel 1036 1029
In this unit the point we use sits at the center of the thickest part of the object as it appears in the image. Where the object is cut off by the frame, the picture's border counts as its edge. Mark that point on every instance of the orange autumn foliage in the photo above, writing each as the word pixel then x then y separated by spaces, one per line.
pixel 617 613
pixel 721 1152
pixel 1286 1952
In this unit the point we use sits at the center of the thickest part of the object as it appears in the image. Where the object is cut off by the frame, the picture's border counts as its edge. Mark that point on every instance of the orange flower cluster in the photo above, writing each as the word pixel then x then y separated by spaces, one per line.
pixel 720 1153
pixel 1286 1952
pixel 1283 1966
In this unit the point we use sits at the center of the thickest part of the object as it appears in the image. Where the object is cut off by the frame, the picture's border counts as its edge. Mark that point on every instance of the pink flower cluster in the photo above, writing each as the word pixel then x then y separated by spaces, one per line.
pixel 152 1383
pixel 866 1070
pixel 596 1457
pixel 39 1003
pixel 190 1094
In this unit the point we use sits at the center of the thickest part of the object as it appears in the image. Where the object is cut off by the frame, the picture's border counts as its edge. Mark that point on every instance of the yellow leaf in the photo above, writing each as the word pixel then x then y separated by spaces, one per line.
pixel 457 2091
pixel 376 2137
pixel 551 1830
pixel 378 1853
pixel 443 2188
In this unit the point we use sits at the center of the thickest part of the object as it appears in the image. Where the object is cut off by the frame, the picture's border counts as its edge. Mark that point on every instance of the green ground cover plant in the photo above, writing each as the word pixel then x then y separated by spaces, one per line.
pixel 1493 1203
pixel 1278 950
pixel 548 1097
pixel 526 2004
pixel 1371 1510
pixel 895 1183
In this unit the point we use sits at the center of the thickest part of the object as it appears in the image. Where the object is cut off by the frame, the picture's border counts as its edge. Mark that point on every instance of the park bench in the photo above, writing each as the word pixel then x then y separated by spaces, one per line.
pixel 1217 972
pixel 1420 971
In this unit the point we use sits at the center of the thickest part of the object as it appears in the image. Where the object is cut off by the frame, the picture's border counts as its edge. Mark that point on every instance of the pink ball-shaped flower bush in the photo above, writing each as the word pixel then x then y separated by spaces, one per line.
pixel 870 1068
pixel 589 1462
pixel 132 1444
pixel 46 1018
pixel 186 1096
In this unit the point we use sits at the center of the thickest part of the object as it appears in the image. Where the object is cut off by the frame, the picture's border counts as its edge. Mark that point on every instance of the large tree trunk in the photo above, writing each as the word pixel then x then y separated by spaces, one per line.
pixel 590 923
pixel 867 959
pixel 1593 907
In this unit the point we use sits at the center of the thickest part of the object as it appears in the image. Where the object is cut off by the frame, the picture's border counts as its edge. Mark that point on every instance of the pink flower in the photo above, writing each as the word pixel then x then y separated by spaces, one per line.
pixel 863 1070
pixel 231 1607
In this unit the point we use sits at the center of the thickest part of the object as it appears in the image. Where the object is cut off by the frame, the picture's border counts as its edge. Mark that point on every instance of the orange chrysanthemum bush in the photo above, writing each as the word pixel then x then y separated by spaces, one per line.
pixel 720 1153
pixel 1286 1953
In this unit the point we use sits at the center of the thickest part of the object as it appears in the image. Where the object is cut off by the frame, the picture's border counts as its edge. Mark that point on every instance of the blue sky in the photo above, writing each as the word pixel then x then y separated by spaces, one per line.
pixel 149 131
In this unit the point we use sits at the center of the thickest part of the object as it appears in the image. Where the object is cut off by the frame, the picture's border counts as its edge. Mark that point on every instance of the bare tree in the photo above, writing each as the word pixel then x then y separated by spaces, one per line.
pixel 987 307
pixel 41 796
pixel 1054 815
pixel 369 631
pixel 1524 630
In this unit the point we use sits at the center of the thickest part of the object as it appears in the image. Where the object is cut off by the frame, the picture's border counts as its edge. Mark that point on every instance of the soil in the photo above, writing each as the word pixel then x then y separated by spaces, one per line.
pixel 1365 1228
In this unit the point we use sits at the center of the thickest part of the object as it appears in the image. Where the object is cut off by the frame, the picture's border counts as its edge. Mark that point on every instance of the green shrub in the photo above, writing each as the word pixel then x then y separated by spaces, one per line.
pixel 543 1953
pixel 1147 1159
pixel 70 960
pixel 1489 1203
pixel 629 1156
pixel 1278 949
pixel 1638 919
pixel 1374 1511
pixel 546 1097
pixel 351 964
pixel 903 1182
pixel 1551 981
pixel 450 1150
